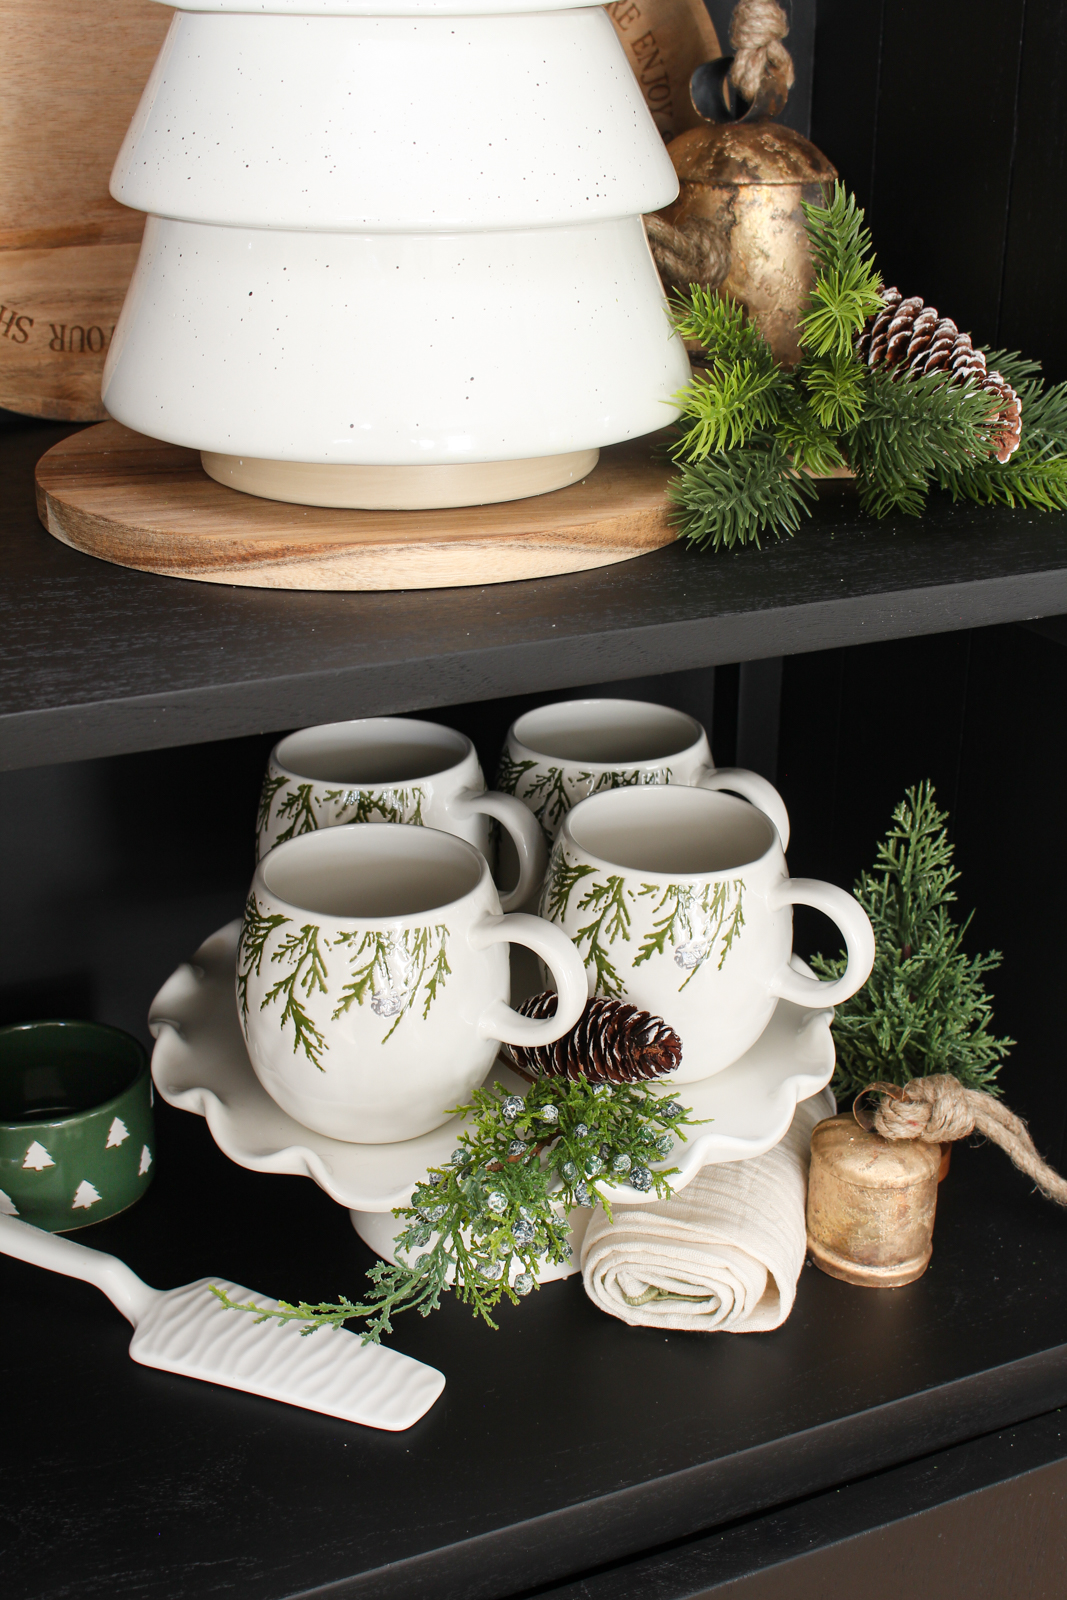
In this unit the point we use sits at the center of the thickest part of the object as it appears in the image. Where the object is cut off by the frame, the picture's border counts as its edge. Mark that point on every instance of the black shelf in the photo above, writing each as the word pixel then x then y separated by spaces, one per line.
pixel 563 1441
pixel 97 660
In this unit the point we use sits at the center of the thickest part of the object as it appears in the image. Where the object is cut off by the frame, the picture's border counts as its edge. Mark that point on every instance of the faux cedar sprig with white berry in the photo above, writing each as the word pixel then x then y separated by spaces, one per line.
pixel 484 1222
pixel 886 387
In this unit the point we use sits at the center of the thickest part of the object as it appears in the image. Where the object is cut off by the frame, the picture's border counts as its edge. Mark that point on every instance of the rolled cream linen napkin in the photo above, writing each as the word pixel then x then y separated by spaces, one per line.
pixel 724 1253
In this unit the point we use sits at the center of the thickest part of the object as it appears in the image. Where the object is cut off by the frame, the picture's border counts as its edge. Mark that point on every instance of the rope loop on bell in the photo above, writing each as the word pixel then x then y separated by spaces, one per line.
pixel 757 29
pixel 939 1110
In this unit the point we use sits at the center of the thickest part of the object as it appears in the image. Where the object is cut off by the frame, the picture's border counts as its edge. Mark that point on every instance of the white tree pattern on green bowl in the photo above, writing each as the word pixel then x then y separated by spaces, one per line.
pixel 691 920
pixel 389 969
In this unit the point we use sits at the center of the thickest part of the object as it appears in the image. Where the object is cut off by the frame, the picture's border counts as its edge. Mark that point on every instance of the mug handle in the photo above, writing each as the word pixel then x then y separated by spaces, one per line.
pixel 560 956
pixel 852 921
pixel 525 831
pixel 750 786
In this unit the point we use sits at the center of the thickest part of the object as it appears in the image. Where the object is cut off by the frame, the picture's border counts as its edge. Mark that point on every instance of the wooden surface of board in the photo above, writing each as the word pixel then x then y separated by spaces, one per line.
pixel 137 502
pixel 71 74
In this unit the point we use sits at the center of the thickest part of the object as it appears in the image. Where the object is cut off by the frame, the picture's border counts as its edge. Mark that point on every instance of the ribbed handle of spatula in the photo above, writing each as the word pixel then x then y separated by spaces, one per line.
pixel 123 1288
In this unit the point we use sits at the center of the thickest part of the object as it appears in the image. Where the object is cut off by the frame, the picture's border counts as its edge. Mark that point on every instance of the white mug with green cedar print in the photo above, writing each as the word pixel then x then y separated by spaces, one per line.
pixel 563 753
pixel 391 769
pixel 373 979
pixel 680 902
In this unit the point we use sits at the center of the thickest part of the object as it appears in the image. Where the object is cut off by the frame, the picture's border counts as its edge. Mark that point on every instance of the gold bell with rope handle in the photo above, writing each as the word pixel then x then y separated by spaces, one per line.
pixel 871 1203
pixel 738 223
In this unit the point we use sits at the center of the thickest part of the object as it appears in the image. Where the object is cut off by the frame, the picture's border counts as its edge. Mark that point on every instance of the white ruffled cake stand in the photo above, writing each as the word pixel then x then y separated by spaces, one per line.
pixel 200 1064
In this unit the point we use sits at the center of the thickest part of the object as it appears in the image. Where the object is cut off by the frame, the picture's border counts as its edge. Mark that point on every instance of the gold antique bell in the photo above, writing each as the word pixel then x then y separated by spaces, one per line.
pixel 737 225
pixel 871 1204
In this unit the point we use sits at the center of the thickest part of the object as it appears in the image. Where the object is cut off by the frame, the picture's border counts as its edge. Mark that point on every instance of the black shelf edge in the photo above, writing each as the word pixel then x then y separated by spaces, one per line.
pixel 100 660
pixel 736 1486
pixel 116 726
pixel 959 1510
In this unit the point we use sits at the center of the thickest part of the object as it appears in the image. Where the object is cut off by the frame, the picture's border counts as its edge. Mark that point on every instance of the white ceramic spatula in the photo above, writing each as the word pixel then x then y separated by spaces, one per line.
pixel 189 1331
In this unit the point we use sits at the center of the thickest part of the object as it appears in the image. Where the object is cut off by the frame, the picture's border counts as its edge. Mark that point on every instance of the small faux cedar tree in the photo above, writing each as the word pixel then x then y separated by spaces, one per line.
pixel 924 1008
pixel 751 432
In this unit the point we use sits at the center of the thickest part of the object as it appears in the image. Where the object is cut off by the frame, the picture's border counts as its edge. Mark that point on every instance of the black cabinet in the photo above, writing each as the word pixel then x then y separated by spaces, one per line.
pixel 568 1449
pixel 881 1441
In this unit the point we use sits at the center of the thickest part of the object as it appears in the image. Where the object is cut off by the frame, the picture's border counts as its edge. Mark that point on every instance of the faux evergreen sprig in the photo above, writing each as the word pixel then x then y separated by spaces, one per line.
pixel 847 284
pixel 924 1009
pixel 846 292
pixel 484 1222
pixel 731 498
pixel 911 436
pixel 751 433
pixel 739 390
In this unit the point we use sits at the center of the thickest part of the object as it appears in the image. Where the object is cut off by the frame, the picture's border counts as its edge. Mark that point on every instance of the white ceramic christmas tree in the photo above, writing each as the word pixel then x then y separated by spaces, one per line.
pixel 395 254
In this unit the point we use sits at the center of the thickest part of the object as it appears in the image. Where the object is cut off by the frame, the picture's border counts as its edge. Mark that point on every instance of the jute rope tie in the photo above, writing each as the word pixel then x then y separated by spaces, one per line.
pixel 757 29
pixel 940 1110
pixel 699 253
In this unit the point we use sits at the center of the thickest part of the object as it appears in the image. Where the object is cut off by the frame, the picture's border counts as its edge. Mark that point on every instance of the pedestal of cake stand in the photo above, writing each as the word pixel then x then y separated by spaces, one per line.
pixel 378 1228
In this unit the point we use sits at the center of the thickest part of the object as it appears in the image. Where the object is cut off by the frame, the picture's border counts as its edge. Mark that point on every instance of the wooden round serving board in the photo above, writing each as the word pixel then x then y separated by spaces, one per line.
pixel 118 495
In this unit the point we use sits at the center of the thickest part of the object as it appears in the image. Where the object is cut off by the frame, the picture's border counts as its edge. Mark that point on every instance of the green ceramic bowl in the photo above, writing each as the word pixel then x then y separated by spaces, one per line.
pixel 76 1136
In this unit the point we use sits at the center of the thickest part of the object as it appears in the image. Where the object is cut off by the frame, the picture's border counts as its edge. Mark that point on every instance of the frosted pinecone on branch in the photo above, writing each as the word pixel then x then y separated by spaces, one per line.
pixel 915 338
pixel 610 1043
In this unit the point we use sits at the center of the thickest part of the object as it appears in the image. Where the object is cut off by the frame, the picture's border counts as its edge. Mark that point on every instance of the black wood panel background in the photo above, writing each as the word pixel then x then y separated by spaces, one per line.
pixel 945 118
pixel 979 714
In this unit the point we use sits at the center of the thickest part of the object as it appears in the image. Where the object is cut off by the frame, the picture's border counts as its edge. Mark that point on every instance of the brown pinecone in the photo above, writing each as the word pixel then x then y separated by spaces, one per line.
pixel 610 1043
pixel 912 337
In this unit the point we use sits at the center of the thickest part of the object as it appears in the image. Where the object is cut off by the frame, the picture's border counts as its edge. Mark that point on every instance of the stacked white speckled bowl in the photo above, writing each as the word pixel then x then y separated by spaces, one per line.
pixel 394 253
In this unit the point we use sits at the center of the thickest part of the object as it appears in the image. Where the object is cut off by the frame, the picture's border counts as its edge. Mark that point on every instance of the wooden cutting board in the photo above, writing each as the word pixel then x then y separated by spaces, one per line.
pixel 125 498
pixel 71 74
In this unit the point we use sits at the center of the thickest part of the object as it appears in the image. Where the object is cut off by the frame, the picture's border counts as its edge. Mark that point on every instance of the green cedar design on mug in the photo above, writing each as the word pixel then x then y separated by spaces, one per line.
pixel 349 804
pixel 393 969
pixel 554 791
pixel 689 919
pixel 77 1142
